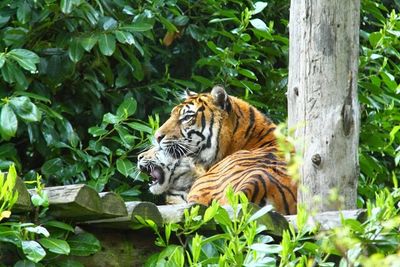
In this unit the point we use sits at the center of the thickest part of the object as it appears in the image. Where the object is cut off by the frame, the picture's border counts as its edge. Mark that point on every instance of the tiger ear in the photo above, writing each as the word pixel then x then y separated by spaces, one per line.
pixel 220 96
pixel 187 93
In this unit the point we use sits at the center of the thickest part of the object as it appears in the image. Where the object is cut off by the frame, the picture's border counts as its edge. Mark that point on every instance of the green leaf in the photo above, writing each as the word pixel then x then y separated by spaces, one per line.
pixel 75 50
pixel 140 127
pixel 125 166
pixel 2 59
pixel 83 244
pixel 259 7
pixel 38 230
pixel 10 236
pixel 259 24
pixel 11 73
pixel 8 122
pixel 248 74
pixel 127 108
pixel 169 25
pixel 107 44
pixel 33 251
pixel 109 23
pixel 59 225
pixel 88 42
pixel 66 6
pixel 137 27
pixel 55 245
pixel 25 58
pixel 269 249
pixel 124 37
pixel 52 166
pixel 261 212
pixel 24 12
pixel 25 109
pixel 96 131
pixel 111 118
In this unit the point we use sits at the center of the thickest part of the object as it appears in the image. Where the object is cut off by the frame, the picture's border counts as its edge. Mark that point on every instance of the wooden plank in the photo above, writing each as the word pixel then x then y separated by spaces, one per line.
pixel 113 205
pixel 146 210
pixel 73 201
pixel 174 213
pixel 329 219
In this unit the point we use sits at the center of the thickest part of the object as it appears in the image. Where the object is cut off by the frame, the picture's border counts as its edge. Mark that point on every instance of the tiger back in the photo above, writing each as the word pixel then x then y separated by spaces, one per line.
pixel 260 174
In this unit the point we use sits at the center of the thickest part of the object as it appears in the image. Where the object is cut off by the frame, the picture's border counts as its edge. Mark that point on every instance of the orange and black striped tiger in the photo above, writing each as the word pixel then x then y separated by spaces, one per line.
pixel 234 143
pixel 259 174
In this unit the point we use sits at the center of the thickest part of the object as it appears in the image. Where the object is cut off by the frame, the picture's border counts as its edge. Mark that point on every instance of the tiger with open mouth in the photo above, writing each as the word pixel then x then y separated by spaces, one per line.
pixel 233 143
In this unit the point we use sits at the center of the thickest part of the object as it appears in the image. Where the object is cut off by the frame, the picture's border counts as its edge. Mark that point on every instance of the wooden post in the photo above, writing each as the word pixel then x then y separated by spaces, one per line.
pixel 322 98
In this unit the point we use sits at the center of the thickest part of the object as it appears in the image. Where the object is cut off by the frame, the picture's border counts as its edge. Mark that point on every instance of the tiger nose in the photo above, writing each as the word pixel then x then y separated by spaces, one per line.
pixel 159 136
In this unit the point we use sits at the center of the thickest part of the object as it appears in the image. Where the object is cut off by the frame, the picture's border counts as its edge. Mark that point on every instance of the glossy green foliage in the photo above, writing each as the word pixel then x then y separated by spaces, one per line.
pixel 379 87
pixel 79 78
pixel 39 241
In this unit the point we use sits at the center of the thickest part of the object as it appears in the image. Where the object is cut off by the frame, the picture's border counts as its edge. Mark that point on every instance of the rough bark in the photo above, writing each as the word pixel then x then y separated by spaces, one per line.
pixel 322 98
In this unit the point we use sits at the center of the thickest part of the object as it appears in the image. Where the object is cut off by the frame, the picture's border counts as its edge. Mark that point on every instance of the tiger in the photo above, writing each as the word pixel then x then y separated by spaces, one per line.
pixel 234 144
pixel 210 126
pixel 255 173
pixel 169 175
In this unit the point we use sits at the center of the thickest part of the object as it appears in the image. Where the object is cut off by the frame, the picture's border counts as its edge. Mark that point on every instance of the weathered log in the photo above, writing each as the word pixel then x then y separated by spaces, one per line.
pixel 145 210
pixel 113 205
pixel 75 202
pixel 329 219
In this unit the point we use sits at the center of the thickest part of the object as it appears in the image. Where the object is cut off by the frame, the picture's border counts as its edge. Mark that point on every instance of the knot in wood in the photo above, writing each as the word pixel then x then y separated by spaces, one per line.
pixel 296 91
pixel 316 159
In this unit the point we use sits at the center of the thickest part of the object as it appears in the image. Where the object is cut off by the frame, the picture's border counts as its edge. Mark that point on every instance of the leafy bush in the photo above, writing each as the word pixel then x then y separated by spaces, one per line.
pixel 70 66
pixel 379 96
pixel 41 240
pixel 241 240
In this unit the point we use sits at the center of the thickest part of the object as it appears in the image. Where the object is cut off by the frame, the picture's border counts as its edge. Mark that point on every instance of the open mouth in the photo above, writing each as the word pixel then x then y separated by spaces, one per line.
pixel 155 172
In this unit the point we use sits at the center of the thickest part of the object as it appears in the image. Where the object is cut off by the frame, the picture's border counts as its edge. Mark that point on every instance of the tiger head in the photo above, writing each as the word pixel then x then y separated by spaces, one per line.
pixel 168 174
pixel 195 126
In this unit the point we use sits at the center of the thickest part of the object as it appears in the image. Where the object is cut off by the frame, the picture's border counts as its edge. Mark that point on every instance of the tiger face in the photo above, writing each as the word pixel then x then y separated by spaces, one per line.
pixel 170 175
pixel 194 126
pixel 210 126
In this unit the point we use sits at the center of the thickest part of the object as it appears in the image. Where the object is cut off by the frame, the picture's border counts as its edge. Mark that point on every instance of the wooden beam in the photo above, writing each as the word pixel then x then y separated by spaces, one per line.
pixel 113 205
pixel 329 219
pixel 75 202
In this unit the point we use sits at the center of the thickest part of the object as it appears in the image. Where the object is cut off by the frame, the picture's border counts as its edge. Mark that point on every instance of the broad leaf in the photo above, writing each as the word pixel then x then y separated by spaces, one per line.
pixel 83 244
pixel 25 109
pixel 8 122
pixel 128 107
pixel 55 245
pixel 33 250
pixel 25 58
pixel 107 44
pixel 125 166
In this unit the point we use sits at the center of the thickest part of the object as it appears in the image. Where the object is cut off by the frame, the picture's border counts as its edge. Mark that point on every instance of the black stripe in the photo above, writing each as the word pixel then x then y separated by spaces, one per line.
pixel 267 133
pixel 251 122
pixel 203 121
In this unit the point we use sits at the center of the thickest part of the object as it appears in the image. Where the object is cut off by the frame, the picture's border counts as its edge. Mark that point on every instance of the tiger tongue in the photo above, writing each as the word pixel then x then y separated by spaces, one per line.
pixel 156 175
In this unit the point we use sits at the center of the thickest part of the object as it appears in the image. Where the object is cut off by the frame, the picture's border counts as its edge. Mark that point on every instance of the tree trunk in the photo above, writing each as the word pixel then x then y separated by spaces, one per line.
pixel 322 98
